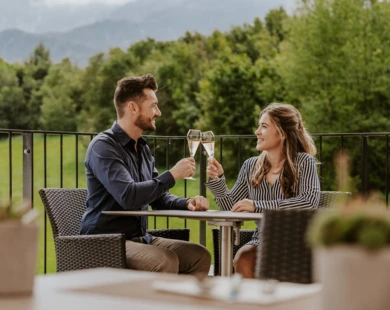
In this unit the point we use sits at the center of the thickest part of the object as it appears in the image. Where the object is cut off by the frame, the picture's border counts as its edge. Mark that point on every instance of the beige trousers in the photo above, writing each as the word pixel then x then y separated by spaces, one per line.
pixel 168 255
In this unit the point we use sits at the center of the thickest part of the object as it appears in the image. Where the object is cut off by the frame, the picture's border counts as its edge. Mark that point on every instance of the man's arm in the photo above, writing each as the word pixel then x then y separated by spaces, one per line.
pixel 110 169
pixel 172 202
pixel 167 200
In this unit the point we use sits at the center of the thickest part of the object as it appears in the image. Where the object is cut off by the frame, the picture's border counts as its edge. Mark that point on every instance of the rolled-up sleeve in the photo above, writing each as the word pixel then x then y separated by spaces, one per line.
pixel 224 198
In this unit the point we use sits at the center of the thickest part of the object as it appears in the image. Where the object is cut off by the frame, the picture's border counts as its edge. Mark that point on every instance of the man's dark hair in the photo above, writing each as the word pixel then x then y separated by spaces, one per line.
pixel 132 89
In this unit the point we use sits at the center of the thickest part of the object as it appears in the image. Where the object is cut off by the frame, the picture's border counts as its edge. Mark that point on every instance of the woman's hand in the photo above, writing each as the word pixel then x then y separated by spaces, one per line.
pixel 214 169
pixel 244 205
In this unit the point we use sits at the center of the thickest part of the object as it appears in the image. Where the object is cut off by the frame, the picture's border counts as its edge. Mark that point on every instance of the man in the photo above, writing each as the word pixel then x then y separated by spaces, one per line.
pixel 121 175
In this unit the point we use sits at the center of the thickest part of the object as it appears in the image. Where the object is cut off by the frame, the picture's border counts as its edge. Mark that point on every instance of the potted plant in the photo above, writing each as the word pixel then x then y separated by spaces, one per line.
pixel 351 244
pixel 18 247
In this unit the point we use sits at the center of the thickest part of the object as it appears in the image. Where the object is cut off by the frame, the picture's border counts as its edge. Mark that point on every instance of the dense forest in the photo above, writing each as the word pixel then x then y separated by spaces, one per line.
pixel 330 59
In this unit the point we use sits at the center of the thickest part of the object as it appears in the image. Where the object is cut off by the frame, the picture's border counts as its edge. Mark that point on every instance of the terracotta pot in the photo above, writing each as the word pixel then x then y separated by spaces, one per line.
pixel 18 259
pixel 353 277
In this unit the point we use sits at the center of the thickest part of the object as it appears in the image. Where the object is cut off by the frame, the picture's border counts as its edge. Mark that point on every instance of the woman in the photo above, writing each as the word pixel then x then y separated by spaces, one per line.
pixel 283 176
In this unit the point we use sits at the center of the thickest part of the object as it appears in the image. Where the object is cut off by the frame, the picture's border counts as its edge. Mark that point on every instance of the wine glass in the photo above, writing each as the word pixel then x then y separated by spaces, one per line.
pixel 208 141
pixel 193 138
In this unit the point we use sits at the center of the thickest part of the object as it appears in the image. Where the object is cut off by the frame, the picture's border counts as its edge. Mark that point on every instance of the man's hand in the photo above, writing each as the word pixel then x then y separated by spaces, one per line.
pixel 198 203
pixel 214 168
pixel 184 168
pixel 244 205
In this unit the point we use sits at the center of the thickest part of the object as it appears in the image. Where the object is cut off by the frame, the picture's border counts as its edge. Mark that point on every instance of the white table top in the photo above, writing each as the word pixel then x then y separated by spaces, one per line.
pixel 210 215
pixel 120 289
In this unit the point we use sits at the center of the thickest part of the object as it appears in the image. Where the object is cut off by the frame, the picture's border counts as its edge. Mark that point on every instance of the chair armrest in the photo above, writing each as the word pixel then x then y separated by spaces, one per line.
pixel 90 251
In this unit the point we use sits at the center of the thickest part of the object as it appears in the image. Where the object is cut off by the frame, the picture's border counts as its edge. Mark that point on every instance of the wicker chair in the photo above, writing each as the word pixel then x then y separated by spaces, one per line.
pixel 327 199
pixel 283 253
pixel 65 208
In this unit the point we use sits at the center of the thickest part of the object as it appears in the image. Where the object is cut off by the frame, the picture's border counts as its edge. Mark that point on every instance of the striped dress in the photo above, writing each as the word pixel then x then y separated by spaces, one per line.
pixel 269 196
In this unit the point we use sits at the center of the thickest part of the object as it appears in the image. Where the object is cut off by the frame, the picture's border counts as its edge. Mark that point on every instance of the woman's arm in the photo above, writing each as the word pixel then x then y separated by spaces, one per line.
pixel 224 198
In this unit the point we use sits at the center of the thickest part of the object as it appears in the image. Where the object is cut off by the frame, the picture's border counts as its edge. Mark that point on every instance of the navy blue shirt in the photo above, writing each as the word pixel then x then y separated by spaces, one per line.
pixel 121 178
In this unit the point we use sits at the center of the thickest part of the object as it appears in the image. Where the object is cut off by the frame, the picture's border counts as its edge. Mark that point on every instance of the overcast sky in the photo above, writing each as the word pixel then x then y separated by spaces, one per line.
pixel 113 2
pixel 80 2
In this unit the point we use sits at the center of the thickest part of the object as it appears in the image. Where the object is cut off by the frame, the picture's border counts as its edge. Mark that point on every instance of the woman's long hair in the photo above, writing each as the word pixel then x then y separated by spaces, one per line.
pixel 294 139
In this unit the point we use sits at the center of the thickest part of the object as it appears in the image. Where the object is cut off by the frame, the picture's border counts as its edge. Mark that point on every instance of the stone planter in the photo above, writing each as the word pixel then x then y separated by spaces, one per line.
pixel 18 259
pixel 353 277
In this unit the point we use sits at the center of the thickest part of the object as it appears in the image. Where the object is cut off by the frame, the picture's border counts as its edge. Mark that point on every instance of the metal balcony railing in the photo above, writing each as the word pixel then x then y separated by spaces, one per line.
pixel 33 159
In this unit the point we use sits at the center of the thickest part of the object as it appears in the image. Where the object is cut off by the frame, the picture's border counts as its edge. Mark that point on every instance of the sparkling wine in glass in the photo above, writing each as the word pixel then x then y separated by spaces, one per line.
pixel 208 142
pixel 193 138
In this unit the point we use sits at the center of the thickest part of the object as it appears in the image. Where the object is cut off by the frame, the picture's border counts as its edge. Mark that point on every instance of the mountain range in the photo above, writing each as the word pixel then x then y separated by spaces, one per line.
pixel 81 32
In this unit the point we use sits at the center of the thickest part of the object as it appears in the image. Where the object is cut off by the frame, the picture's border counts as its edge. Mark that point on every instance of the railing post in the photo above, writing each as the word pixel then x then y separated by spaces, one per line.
pixel 387 172
pixel 321 172
pixel 28 167
pixel 364 174
pixel 202 190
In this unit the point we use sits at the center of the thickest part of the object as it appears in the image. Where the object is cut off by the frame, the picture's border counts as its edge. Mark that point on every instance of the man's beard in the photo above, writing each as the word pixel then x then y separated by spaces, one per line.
pixel 145 123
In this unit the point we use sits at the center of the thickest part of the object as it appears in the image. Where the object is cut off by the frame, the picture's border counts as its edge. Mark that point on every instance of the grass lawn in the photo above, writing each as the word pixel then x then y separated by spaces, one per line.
pixel 62 173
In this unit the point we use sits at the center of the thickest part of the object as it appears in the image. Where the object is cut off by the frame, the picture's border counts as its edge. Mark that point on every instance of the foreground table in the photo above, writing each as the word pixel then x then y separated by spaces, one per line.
pixel 227 220
pixel 120 289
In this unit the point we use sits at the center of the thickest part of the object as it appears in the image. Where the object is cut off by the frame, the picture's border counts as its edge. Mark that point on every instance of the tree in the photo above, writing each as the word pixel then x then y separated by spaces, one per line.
pixel 31 77
pixel 230 96
pixel 60 93
pixel 336 63
pixel 178 79
pixel 98 85
pixel 90 92
pixel 40 62
pixel 19 90
pixel 12 102
pixel 275 23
